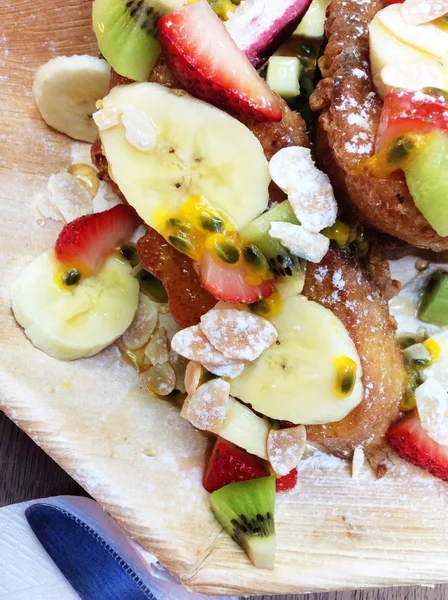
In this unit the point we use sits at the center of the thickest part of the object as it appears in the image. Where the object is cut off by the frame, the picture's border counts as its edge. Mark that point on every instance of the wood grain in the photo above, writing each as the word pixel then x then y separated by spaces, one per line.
pixel 94 418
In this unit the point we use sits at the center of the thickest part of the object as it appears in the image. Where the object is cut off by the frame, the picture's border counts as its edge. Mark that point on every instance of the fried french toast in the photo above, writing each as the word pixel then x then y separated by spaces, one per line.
pixel 350 112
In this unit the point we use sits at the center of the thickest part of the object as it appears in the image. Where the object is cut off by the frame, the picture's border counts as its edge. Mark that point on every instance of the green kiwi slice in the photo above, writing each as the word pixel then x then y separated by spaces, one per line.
pixel 288 269
pixel 126 31
pixel 245 509
pixel 427 179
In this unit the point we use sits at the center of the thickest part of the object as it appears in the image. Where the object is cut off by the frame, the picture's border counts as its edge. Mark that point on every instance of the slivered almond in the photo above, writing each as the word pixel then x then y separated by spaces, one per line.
pixel 207 407
pixel 285 448
pixel 193 374
pixel 143 325
pixel 238 334
pixel 230 371
pixel 300 241
pixel 357 461
pixel 160 379
pixel 191 343
pixel 157 349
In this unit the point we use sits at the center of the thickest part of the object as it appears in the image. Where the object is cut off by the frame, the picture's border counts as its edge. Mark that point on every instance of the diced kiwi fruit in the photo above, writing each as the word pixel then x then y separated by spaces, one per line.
pixel 245 509
pixel 434 305
pixel 288 269
pixel 427 179
pixel 126 31
pixel 283 76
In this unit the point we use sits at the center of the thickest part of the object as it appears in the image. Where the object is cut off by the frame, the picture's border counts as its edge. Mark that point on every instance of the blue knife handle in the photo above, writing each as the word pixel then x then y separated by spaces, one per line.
pixel 93 568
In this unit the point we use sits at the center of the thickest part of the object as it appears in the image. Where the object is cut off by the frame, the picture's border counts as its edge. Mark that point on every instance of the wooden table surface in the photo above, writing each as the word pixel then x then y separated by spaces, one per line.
pixel 26 472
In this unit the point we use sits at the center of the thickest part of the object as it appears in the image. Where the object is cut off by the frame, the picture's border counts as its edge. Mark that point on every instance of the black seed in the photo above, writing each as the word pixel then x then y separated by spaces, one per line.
pixel 133 12
pixel 277 342
pixel 272 262
pixel 129 3
pixel 71 277
pixel 211 223
pixel 282 272
pixel 268 516
pixel 400 150
pixel 256 530
pixel 276 272
pixel 179 243
pixel 244 518
pixel 177 185
pixel 227 253
pixel 288 271
pixel 254 257
pixel 244 529
pixel 149 10
pixel 347 382
pixel 176 223
pixel 171 151
pixel 260 518
pixel 234 522
pixel 280 258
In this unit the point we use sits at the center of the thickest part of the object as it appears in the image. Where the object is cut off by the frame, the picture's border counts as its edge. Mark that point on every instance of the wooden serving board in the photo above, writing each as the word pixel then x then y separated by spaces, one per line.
pixel 94 418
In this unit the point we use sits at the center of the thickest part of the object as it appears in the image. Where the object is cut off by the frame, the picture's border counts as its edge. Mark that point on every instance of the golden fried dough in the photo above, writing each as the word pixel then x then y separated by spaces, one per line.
pixel 347 128
pixel 343 285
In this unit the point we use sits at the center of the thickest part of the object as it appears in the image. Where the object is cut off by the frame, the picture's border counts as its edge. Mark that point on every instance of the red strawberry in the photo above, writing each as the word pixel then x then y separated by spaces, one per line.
pixel 229 463
pixel 287 482
pixel 411 442
pixel 87 241
pixel 228 282
pixel 210 65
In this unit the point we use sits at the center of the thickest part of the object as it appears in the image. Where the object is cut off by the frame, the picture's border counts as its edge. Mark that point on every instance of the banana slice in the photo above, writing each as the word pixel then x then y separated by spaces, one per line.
pixel 296 380
pixel 199 151
pixel 66 90
pixel 388 55
pixel 76 322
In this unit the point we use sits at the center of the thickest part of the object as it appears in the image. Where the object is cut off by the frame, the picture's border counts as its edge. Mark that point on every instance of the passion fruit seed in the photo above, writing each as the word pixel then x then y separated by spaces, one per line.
pixel 181 242
pixel 261 308
pixel 345 376
pixel 400 150
pixel 71 277
pixel 211 223
pixel 178 225
pixel 255 259
pixel 227 253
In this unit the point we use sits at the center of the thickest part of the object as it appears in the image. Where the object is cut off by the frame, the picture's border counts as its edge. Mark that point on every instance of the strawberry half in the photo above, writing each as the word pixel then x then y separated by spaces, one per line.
pixel 287 482
pixel 87 241
pixel 411 442
pixel 228 282
pixel 209 64
pixel 229 463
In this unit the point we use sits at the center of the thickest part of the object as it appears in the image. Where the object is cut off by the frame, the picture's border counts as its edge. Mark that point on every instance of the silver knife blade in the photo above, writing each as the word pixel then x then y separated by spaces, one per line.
pixel 93 568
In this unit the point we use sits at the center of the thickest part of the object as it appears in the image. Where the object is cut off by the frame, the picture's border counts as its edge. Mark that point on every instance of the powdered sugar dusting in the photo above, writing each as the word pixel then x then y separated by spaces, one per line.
pixel 285 448
pixel 238 334
pixel 207 407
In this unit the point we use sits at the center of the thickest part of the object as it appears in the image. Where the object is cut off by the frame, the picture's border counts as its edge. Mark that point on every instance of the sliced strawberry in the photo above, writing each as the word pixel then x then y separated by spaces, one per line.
pixel 259 27
pixel 287 482
pixel 411 442
pixel 229 463
pixel 228 282
pixel 210 65
pixel 87 241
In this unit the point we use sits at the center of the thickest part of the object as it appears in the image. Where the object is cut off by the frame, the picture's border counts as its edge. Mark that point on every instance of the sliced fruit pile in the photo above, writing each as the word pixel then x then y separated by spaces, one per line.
pixel 194 41
pixel 78 299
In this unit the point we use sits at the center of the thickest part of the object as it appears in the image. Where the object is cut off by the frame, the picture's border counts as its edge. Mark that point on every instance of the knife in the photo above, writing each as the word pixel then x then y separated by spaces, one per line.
pixel 92 567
